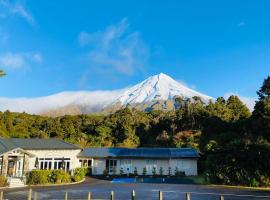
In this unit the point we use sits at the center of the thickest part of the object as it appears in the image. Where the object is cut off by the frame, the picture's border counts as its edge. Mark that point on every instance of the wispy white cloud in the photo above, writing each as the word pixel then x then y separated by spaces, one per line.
pixel 242 23
pixel 19 60
pixel 248 101
pixel 9 8
pixel 116 49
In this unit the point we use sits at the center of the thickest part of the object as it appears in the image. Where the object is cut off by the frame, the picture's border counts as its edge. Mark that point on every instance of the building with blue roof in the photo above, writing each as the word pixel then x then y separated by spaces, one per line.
pixel 126 160
pixel 19 156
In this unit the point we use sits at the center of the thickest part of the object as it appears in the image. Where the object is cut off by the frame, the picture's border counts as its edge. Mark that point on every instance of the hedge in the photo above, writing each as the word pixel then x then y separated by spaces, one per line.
pixel 36 177
pixel 79 174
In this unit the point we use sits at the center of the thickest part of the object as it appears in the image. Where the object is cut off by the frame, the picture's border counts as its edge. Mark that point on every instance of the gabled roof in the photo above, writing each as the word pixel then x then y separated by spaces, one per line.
pixel 8 144
pixel 139 152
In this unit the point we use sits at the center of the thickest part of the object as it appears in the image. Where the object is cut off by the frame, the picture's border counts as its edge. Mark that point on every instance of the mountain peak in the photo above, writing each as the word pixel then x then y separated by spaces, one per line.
pixel 158 87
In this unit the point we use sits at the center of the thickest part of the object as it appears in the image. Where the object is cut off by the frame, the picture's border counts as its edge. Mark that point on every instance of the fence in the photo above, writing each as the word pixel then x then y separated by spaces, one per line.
pixel 188 195
pixel 34 195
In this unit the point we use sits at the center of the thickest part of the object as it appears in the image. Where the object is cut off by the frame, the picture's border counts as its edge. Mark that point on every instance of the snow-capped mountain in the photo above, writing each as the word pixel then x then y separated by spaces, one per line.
pixel 157 88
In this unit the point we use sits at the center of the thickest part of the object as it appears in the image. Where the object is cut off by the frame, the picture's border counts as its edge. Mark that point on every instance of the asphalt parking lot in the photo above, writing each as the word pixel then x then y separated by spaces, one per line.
pixel 101 189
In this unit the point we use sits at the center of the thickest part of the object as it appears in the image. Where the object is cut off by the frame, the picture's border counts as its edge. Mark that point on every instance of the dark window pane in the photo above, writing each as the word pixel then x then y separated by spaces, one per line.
pixel 55 165
pixel 107 164
pixel 41 165
pixel 50 165
pixel 67 166
pixel 45 165
pixel 89 163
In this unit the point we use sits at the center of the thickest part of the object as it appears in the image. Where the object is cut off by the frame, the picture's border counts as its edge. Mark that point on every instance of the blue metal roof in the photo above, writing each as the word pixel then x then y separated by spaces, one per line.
pixel 139 152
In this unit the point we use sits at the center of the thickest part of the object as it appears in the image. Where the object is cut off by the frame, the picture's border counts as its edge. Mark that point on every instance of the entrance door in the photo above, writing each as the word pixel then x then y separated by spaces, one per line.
pixel 11 167
pixel 111 166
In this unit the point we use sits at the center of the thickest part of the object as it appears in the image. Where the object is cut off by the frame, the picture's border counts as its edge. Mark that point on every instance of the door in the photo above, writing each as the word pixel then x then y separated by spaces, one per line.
pixel 11 167
pixel 111 166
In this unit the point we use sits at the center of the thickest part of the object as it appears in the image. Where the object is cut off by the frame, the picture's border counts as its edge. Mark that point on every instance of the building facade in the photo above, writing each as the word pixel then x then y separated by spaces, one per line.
pixel 19 156
pixel 141 160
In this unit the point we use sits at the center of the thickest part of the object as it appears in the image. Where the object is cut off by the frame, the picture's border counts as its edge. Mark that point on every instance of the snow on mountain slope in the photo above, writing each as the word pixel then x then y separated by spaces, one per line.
pixel 155 88
pixel 158 87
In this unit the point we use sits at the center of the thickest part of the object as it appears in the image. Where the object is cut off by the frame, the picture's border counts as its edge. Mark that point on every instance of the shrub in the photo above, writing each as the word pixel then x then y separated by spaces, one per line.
pixel 39 177
pixel 135 171
pixel 36 177
pixel 79 174
pixel 121 171
pixel 60 176
pixel 144 171
pixel 105 172
pixel 169 171
pixel 3 181
pixel 154 171
pixel 161 171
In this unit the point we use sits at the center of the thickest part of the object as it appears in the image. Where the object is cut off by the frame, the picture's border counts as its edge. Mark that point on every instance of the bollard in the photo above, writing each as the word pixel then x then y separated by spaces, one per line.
pixel 35 195
pixel 112 195
pixel 66 196
pixel 89 196
pixel 1 195
pixel 133 195
pixel 187 196
pixel 221 197
pixel 30 194
pixel 160 195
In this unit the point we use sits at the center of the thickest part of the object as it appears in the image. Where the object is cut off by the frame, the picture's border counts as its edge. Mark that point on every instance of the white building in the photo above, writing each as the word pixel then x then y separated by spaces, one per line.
pixel 19 156
pixel 128 160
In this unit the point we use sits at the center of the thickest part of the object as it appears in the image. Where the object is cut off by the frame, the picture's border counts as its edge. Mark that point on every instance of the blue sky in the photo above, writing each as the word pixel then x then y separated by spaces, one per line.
pixel 216 47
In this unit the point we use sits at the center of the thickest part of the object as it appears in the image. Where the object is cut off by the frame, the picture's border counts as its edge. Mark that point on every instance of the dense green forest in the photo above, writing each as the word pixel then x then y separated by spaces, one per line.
pixel 233 142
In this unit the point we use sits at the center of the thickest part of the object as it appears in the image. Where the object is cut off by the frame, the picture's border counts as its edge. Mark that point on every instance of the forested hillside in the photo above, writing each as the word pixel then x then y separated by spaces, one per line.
pixel 234 143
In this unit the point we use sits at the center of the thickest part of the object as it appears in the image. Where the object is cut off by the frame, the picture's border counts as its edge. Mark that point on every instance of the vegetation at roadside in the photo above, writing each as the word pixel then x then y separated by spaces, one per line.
pixel 3 181
pixel 233 142
pixel 39 177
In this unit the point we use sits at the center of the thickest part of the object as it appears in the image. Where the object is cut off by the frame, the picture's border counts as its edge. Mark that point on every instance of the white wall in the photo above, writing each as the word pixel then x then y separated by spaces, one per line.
pixel 189 166
pixel 72 154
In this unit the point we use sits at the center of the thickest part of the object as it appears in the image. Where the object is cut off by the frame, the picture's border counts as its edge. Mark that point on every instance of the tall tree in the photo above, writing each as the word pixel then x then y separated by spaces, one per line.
pixel 265 89
pixel 261 113
pixel 2 73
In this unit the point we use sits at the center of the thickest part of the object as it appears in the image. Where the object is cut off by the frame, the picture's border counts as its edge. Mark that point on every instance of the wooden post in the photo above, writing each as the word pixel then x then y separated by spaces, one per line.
pixel 160 195
pixel 112 195
pixel 221 197
pixel 30 194
pixel 1 195
pixel 35 195
pixel 89 196
pixel 66 196
pixel 187 196
pixel 133 195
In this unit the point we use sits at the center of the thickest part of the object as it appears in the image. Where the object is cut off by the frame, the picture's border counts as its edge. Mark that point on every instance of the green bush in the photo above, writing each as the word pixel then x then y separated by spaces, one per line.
pixel 3 181
pixel 36 177
pixel 135 171
pixel 39 177
pixel 105 172
pixel 144 171
pixel 79 174
pixel 60 176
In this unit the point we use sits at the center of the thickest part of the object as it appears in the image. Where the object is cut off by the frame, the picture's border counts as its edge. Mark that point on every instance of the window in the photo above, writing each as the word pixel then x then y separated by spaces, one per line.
pixel 54 163
pixel 41 165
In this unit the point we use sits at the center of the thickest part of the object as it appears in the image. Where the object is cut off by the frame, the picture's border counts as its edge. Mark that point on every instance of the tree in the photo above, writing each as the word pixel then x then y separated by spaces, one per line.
pixel 265 89
pixel 261 114
pixel 238 109
pixel 2 73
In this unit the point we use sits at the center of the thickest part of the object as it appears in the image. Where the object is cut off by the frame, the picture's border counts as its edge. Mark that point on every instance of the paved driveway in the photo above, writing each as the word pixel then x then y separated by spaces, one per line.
pixel 101 189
